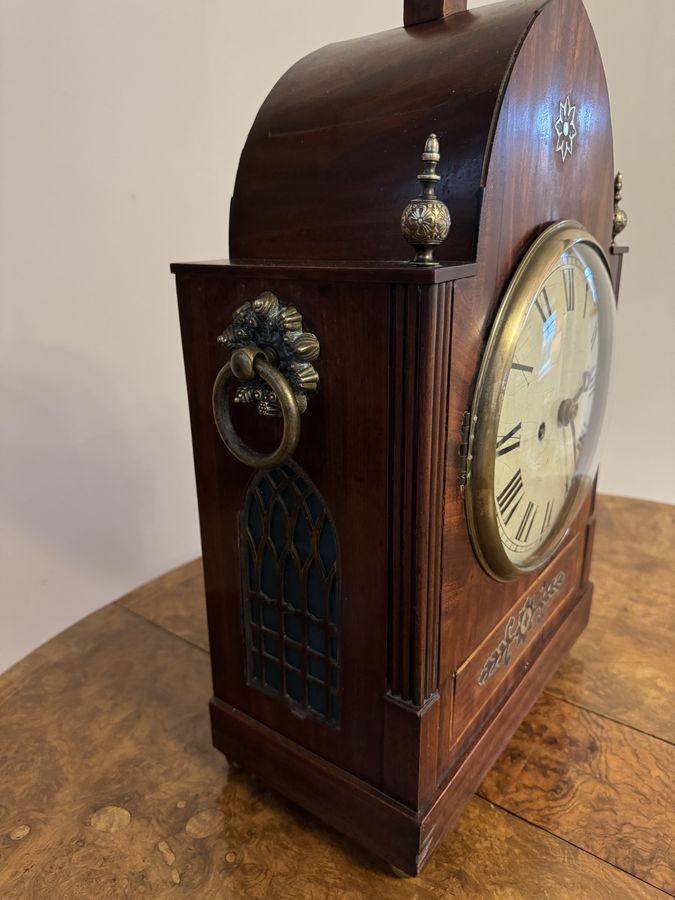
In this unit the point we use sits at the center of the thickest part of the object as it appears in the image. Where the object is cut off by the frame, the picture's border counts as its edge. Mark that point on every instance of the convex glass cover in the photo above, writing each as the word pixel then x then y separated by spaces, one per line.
pixel 539 402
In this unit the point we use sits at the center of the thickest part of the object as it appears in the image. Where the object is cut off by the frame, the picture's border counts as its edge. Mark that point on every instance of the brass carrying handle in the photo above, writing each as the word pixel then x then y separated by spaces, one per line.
pixel 246 364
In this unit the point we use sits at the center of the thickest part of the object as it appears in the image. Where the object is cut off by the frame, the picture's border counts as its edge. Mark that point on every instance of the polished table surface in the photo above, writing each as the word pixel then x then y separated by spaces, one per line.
pixel 110 786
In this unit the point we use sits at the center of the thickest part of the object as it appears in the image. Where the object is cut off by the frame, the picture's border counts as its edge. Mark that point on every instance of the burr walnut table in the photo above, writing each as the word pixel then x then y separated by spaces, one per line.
pixel 110 786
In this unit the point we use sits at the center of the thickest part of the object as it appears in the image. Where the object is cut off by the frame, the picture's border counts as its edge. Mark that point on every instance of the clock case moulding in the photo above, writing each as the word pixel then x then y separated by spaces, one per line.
pixel 327 169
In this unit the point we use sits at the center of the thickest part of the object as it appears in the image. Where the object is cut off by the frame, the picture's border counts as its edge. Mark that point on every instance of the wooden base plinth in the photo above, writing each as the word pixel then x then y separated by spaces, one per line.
pixel 404 837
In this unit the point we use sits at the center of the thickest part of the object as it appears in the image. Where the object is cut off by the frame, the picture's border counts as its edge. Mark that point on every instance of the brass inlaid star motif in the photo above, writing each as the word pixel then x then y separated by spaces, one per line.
pixel 566 129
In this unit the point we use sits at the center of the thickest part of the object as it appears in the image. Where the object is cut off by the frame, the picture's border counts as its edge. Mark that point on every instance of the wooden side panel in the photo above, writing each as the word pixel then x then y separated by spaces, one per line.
pixel 343 451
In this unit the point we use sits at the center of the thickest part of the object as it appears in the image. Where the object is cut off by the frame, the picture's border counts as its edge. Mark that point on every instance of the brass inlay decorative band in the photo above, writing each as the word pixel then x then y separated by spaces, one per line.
pixel 519 625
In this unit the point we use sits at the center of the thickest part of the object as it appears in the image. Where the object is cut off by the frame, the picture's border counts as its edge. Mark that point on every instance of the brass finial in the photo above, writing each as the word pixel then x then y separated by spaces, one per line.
pixel 426 221
pixel 620 216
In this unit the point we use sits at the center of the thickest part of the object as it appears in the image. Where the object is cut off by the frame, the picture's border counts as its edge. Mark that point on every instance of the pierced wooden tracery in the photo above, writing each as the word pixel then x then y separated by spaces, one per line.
pixel 291 592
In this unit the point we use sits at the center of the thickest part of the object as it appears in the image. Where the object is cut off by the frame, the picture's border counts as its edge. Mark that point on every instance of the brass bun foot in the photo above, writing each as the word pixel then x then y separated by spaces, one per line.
pixel 399 873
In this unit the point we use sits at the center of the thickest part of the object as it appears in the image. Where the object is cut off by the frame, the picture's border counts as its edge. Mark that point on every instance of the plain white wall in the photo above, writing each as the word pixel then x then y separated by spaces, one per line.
pixel 121 123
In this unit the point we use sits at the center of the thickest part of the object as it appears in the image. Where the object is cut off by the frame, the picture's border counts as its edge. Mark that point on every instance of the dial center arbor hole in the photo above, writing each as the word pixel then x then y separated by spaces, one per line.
pixel 542 431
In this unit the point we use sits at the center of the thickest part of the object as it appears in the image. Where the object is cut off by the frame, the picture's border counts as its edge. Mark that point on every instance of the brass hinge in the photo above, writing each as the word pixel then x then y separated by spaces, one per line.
pixel 464 450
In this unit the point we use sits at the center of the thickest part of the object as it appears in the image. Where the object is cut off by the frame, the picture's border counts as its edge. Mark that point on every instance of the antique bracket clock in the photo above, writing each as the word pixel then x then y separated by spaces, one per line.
pixel 396 449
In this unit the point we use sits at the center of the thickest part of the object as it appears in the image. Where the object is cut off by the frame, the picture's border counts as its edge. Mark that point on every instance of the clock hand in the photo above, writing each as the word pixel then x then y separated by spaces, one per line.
pixel 585 385
pixel 568 410
pixel 574 440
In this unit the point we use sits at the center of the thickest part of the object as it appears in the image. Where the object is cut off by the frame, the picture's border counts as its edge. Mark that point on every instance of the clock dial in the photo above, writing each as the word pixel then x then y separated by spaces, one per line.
pixel 539 402
pixel 547 406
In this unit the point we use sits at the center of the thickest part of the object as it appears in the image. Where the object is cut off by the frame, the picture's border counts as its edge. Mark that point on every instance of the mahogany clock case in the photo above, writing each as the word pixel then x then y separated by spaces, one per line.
pixel 407 715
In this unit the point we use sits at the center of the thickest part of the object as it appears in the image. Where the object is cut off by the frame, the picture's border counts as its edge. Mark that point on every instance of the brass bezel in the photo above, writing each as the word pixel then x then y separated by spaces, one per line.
pixel 488 397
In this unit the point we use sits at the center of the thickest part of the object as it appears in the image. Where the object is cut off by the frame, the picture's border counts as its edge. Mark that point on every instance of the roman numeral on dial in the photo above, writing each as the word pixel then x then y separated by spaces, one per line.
pixel 589 380
pixel 547 516
pixel 510 441
pixel 544 295
pixel 526 523
pixel 568 281
pixel 509 499
pixel 579 446
pixel 545 311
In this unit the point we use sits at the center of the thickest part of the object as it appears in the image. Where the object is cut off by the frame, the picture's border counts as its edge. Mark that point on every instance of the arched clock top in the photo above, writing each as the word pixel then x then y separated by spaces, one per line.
pixel 326 168
pixel 325 171
pixel 554 124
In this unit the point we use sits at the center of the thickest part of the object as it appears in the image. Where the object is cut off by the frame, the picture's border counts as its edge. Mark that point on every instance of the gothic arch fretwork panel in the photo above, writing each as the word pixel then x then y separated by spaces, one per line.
pixel 291 592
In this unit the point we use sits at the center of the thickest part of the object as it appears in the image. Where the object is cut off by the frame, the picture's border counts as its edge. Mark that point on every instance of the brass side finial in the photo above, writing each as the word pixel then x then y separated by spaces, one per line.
pixel 620 216
pixel 426 221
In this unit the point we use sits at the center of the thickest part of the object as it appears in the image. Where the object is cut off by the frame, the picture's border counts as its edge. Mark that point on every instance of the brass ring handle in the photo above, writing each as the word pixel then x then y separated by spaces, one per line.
pixel 247 363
